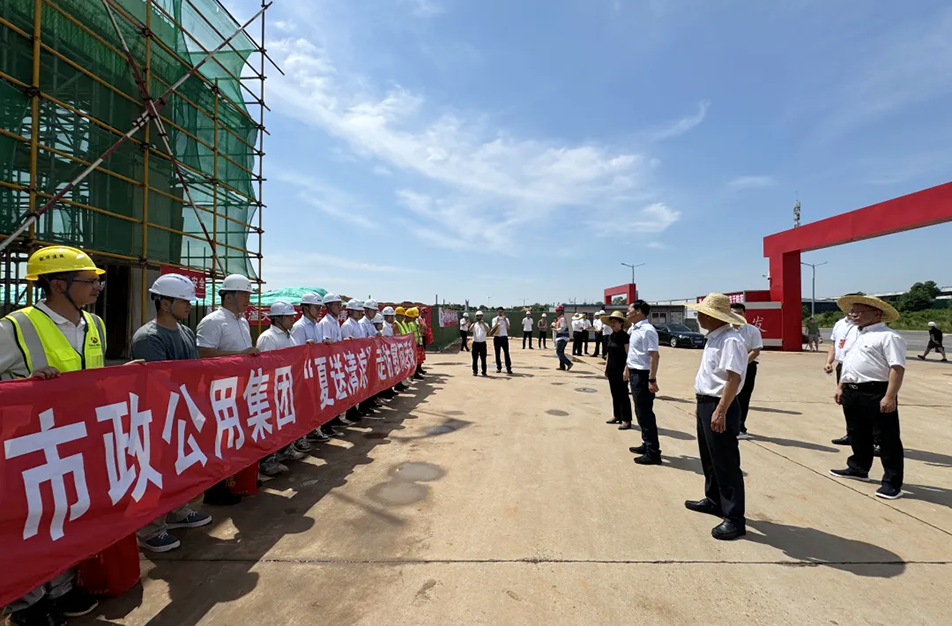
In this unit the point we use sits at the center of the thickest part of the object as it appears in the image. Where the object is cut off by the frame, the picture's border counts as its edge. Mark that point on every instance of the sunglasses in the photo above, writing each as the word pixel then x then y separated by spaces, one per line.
pixel 92 281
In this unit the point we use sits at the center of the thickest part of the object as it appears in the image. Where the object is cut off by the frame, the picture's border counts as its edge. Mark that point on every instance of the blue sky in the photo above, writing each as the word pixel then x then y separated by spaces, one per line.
pixel 526 148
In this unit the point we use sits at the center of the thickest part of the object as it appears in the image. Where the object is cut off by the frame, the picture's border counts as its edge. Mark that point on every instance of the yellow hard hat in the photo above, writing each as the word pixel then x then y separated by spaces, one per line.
pixel 413 312
pixel 400 311
pixel 58 259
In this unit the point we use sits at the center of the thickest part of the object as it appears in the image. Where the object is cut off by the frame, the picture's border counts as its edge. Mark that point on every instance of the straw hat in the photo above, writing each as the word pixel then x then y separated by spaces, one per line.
pixel 889 313
pixel 578 316
pixel 616 315
pixel 718 306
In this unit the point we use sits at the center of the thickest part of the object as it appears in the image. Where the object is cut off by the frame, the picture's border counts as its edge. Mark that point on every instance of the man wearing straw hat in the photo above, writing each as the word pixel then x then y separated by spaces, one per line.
pixel 869 392
pixel 577 334
pixel 719 378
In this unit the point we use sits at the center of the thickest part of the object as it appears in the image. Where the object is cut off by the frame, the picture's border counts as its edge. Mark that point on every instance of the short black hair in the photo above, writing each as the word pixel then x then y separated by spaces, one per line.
pixel 740 306
pixel 641 305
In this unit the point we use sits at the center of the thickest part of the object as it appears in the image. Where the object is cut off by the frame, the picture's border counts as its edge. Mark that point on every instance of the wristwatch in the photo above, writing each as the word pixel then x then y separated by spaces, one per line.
pixel 652 380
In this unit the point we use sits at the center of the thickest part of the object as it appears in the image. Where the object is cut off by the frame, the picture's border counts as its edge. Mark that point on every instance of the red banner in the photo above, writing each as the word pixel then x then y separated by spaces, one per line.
pixel 198 278
pixel 91 457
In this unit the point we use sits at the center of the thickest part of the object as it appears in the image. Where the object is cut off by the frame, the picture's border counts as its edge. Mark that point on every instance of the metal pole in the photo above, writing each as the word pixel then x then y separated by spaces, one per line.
pixel 632 266
pixel 813 295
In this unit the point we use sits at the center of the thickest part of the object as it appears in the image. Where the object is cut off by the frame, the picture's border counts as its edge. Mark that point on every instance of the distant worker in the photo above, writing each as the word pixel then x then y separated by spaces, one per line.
pixel 754 342
pixel 413 319
pixel 719 378
pixel 308 330
pixel 226 332
pixel 869 387
pixel 642 375
pixel 278 337
pixel 543 331
pixel 561 330
pixel 480 330
pixel 597 327
pixel 500 333
pixel 527 330
pixel 935 343
pixel 166 338
pixel 371 312
pixel 464 333
pixel 352 329
pixel 577 334
pixel 813 334
pixel 586 330
pixel 841 341
pixel 41 342
pixel 606 331
pixel 331 333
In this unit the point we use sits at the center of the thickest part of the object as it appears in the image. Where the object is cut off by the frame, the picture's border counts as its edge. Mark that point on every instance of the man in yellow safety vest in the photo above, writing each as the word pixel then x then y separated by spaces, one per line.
pixel 43 341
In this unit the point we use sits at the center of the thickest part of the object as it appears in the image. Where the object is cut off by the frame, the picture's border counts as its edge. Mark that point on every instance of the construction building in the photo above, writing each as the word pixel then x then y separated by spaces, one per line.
pixel 182 193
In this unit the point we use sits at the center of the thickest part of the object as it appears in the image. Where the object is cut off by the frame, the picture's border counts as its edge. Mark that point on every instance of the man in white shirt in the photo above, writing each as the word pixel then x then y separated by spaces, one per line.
pixel 352 328
pixel 226 332
pixel 719 378
pixel 389 318
pixel 642 376
pixel 754 342
pixel 841 340
pixel 464 333
pixel 586 327
pixel 371 311
pixel 598 328
pixel 561 330
pixel 527 330
pixel 480 330
pixel 543 331
pixel 330 329
pixel 577 334
pixel 501 339
pixel 869 386
pixel 307 329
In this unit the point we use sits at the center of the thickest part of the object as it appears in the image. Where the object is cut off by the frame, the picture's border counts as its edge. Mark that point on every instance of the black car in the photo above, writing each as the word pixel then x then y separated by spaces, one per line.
pixel 679 336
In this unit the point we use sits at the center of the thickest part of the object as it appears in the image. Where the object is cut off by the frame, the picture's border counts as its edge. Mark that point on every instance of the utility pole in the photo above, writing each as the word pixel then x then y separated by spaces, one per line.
pixel 813 297
pixel 632 270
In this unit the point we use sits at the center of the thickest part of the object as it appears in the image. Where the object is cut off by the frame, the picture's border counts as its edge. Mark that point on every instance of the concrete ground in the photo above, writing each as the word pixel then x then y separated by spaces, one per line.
pixel 509 501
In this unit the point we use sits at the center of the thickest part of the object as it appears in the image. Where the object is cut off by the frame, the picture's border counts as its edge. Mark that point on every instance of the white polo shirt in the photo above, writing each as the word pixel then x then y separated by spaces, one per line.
pixel 576 326
pixel 305 330
pixel 753 339
pixel 586 324
pixel 275 339
pixel 330 329
pixel 503 326
pixel 387 330
pixel 369 329
pixel 598 326
pixel 643 340
pixel 464 324
pixel 843 337
pixel 724 352
pixel 223 330
pixel 527 324
pixel 351 329
pixel 480 331
pixel 876 349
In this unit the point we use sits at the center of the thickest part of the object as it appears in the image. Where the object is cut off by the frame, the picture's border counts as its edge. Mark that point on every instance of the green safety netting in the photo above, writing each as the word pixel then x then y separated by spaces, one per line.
pixel 288 294
pixel 64 126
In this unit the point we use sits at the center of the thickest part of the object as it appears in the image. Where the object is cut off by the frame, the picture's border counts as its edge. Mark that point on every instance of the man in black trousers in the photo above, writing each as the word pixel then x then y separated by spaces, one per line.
pixel 641 373
pixel 719 379
pixel 754 342
pixel 500 333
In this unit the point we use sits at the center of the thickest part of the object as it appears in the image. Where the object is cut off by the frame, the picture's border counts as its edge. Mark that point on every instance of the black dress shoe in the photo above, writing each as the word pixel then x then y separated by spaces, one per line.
pixel 877 451
pixel 639 450
pixel 649 459
pixel 727 530
pixel 221 495
pixel 842 441
pixel 625 426
pixel 703 506
pixel 613 421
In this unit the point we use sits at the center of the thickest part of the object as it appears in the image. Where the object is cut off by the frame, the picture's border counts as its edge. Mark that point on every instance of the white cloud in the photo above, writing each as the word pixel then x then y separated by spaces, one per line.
pixel 752 182
pixel 284 25
pixel 326 198
pixel 380 170
pixel 684 124
pixel 423 8
pixel 657 245
pixel 486 180
pixel 652 219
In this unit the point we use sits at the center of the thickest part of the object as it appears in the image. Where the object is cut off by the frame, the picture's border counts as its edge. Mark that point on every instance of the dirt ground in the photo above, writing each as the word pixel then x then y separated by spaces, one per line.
pixel 508 500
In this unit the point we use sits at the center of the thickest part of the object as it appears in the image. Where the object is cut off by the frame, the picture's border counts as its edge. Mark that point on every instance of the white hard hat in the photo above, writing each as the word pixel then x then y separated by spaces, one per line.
pixel 389 311
pixel 479 312
pixel 174 286
pixel 602 312
pixel 378 319
pixel 237 282
pixel 931 323
pixel 330 298
pixel 280 307
pixel 465 314
pixel 311 298
pixel 355 305
pixel 371 304
pixel 544 315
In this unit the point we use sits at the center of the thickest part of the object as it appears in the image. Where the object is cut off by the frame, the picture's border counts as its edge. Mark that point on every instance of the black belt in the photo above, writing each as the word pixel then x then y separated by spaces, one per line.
pixel 707 399
pixel 873 386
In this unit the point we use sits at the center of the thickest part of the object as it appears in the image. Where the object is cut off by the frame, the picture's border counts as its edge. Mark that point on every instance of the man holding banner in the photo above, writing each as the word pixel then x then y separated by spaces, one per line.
pixel 54 337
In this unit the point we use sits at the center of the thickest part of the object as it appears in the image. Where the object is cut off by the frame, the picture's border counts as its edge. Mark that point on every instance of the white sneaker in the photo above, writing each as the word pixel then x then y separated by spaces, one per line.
pixel 744 437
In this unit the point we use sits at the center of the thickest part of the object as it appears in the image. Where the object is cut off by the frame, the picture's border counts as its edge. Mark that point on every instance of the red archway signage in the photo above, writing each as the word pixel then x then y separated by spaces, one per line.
pixel 630 291
pixel 923 208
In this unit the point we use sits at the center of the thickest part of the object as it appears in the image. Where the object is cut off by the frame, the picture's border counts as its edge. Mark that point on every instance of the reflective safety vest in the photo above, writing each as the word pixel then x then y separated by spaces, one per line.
pixel 44 345
pixel 404 329
pixel 417 332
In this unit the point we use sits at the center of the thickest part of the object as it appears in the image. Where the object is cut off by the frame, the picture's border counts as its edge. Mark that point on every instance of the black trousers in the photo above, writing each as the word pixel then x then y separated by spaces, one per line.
pixel 526 336
pixel 502 343
pixel 621 407
pixel 598 343
pixel 644 410
pixel 577 343
pixel 464 340
pixel 543 339
pixel 585 340
pixel 866 423
pixel 479 353
pixel 720 459
pixel 743 397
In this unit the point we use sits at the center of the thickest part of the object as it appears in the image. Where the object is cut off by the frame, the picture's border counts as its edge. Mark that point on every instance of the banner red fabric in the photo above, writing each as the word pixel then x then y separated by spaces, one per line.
pixel 93 456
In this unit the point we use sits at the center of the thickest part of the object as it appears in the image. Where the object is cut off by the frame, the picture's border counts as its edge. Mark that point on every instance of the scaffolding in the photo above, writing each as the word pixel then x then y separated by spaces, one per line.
pixel 182 191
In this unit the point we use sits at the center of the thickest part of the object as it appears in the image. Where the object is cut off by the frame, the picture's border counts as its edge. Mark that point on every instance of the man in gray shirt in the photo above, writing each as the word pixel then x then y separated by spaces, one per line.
pixel 165 339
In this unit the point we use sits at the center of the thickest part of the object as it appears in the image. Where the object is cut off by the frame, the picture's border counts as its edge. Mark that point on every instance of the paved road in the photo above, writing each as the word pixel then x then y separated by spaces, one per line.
pixel 509 501
pixel 916 341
